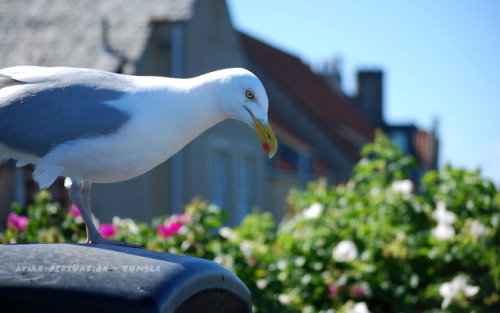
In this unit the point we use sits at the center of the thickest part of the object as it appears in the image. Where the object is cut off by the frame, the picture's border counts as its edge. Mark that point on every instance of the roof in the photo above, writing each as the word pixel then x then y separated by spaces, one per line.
pixel 70 33
pixel 287 133
pixel 333 111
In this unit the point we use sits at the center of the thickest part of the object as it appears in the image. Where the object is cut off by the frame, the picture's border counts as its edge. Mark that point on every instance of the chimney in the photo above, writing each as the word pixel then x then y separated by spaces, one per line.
pixel 369 97
pixel 330 72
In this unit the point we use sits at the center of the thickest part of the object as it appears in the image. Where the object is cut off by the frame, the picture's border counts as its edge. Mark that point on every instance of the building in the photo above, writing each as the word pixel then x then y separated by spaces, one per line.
pixel 422 145
pixel 319 129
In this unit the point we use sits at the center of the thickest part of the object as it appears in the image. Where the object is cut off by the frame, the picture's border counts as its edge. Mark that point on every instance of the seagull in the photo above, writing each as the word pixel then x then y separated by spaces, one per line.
pixel 92 126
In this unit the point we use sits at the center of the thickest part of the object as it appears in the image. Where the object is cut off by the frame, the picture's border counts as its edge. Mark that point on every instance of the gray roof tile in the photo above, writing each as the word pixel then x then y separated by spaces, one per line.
pixel 69 32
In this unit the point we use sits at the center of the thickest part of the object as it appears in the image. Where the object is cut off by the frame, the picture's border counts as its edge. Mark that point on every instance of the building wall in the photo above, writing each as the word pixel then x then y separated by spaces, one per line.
pixel 294 114
pixel 156 57
pixel 7 173
pixel 226 166
pixel 211 43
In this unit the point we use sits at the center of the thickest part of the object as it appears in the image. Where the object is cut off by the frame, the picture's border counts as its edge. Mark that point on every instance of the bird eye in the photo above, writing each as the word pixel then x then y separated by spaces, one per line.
pixel 249 94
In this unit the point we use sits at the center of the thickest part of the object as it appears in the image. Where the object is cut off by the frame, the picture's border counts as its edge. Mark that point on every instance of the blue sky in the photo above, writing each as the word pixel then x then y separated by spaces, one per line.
pixel 441 60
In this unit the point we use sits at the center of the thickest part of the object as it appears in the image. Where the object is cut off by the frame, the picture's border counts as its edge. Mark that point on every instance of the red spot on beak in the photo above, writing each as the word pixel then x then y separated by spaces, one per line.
pixel 266 147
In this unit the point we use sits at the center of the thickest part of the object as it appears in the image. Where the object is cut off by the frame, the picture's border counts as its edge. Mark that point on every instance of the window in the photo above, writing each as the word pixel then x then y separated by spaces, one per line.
pixel 246 186
pixel 220 179
pixel 400 137
pixel 233 179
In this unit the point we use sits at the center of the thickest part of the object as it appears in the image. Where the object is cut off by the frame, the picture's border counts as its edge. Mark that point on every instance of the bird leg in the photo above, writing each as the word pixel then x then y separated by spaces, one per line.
pixel 79 193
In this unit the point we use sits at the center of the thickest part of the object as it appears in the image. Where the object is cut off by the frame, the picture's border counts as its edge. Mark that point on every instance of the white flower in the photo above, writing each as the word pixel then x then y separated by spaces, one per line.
pixel 300 261
pixel 52 208
pixel 213 208
pixel 478 229
pixel 441 215
pixel 443 231
pixel 127 224
pixel 116 221
pixel 227 233
pixel 414 280
pixel 282 264
pixel 359 307
pixel 404 186
pixel 314 211
pixel 306 279
pixel 345 251
pixel 284 299
pixel 459 284
pixel 225 260
pixel 375 191
pixel 262 283
pixel 246 247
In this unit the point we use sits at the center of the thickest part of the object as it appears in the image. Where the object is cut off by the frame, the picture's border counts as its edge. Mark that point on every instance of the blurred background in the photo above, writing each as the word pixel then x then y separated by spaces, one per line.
pixel 440 60
pixel 425 73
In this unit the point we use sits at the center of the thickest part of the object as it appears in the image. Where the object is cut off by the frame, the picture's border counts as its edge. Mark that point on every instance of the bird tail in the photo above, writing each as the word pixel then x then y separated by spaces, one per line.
pixel 45 176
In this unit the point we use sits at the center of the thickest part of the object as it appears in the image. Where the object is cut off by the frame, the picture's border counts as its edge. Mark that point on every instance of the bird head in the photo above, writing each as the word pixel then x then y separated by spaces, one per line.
pixel 251 105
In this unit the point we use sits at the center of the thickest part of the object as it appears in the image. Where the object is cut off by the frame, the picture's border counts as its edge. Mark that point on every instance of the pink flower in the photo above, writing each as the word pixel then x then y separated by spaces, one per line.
pixel 107 230
pixel 184 219
pixel 74 211
pixel 17 221
pixel 358 291
pixel 170 229
pixel 332 291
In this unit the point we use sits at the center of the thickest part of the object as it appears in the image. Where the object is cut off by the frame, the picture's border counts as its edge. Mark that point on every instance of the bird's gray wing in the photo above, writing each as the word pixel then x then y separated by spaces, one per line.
pixel 37 113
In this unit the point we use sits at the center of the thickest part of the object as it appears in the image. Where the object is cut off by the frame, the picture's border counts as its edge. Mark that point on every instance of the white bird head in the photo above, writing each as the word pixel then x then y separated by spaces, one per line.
pixel 245 99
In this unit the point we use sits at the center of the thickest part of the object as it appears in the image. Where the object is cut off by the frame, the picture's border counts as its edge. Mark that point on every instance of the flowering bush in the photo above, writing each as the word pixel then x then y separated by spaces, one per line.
pixel 44 221
pixel 390 244
pixel 378 243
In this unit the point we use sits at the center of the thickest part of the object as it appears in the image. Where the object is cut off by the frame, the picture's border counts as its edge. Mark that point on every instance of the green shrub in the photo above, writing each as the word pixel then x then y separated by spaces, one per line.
pixel 378 242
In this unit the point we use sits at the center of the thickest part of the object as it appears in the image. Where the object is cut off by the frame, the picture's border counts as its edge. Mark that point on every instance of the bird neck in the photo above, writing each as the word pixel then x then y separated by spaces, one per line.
pixel 185 106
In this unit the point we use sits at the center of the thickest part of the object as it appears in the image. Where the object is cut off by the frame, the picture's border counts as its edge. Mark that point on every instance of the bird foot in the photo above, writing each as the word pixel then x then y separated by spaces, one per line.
pixel 104 241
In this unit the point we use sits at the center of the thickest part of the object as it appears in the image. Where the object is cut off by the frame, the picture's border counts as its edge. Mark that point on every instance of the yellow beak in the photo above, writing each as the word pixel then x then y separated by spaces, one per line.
pixel 266 136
